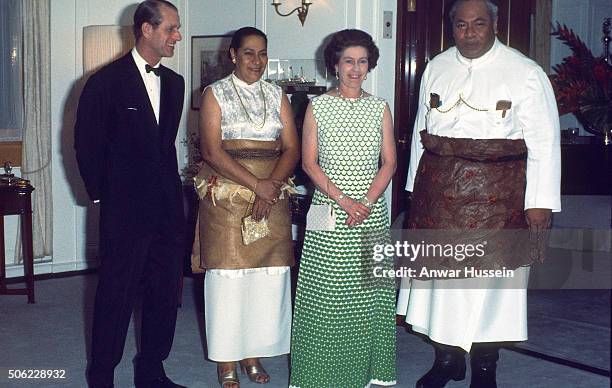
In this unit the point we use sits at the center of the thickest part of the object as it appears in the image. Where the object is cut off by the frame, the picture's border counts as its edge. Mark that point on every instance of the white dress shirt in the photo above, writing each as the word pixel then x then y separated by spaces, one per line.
pixel 151 81
pixel 500 74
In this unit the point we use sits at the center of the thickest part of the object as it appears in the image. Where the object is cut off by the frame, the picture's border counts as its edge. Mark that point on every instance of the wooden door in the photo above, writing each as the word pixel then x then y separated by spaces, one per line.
pixel 423 31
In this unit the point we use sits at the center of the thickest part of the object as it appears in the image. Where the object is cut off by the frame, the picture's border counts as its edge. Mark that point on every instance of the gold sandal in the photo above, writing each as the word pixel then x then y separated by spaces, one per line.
pixel 229 377
pixel 255 371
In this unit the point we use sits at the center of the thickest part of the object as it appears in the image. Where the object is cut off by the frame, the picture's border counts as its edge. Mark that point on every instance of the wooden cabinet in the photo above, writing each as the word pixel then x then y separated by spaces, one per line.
pixel 586 167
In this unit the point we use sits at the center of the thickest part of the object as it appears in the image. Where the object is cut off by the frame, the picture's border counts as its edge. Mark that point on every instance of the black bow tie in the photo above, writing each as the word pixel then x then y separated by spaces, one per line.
pixel 155 70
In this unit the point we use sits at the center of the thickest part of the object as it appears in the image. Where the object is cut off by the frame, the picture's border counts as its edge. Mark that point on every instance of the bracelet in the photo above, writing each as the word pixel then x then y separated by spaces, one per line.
pixel 366 202
pixel 339 198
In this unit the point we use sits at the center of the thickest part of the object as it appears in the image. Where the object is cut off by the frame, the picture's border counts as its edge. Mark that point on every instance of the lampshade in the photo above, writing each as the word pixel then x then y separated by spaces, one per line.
pixel 104 44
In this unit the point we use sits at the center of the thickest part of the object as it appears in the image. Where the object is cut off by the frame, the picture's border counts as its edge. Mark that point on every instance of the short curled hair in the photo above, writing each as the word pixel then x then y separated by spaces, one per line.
pixel 239 35
pixel 149 12
pixel 341 40
pixel 491 8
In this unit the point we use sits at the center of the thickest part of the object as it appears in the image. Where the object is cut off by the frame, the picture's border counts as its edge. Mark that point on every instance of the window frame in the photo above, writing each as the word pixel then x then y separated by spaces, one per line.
pixel 12 150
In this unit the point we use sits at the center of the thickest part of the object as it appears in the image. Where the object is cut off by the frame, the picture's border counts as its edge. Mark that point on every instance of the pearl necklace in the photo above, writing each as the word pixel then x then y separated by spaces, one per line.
pixel 352 101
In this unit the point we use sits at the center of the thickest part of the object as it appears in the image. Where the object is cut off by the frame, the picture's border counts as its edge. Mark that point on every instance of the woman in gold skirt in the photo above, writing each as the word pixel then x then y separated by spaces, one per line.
pixel 250 148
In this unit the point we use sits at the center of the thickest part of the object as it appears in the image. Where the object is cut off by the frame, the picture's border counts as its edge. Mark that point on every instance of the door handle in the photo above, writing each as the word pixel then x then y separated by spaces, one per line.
pixel 411 5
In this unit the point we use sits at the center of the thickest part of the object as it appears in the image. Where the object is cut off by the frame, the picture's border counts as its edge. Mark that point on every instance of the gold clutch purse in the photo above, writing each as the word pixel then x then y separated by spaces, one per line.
pixel 253 230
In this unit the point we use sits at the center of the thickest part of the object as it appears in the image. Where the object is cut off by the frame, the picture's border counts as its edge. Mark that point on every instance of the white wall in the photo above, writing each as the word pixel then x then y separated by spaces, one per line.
pixel 287 39
pixel 75 220
pixel 585 17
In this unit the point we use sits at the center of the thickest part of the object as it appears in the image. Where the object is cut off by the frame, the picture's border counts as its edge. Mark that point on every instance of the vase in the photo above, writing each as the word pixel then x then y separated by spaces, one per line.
pixel 586 124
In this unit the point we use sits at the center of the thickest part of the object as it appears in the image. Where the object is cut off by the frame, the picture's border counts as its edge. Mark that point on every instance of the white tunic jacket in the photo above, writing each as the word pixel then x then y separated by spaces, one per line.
pixel 469 92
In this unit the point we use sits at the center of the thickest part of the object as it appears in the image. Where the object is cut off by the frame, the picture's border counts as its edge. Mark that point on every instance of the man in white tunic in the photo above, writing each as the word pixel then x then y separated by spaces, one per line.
pixel 473 95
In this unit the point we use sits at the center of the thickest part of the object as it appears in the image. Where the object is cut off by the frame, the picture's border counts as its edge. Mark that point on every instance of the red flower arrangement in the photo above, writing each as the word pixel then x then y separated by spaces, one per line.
pixel 583 83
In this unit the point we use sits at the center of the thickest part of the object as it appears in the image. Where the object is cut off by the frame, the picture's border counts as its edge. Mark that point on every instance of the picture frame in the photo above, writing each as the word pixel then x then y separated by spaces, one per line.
pixel 209 62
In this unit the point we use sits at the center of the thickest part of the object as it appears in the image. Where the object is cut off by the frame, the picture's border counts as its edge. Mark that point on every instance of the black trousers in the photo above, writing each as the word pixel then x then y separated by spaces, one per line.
pixel 149 265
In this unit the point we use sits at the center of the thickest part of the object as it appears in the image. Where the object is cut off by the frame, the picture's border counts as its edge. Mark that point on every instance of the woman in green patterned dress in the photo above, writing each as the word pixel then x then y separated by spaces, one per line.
pixel 344 323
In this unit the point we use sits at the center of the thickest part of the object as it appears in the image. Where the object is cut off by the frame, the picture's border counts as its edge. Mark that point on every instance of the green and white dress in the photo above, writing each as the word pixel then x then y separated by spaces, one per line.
pixel 344 323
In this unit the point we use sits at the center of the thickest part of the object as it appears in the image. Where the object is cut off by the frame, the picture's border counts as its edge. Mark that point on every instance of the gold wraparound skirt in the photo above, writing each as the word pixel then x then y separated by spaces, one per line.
pixel 223 204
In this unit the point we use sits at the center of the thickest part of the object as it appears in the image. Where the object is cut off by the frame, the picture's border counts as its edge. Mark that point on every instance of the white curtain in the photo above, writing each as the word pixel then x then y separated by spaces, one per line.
pixel 11 101
pixel 36 165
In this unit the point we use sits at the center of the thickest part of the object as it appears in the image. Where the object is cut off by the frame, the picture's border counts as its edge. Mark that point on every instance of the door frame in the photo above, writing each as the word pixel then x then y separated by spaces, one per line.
pixel 423 31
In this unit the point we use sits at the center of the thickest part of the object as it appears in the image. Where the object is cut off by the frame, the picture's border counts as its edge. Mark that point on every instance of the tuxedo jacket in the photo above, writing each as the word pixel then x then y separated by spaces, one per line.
pixel 125 158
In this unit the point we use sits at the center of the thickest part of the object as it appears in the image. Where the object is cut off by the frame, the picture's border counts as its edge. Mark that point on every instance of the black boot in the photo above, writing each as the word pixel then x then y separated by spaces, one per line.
pixel 483 360
pixel 449 365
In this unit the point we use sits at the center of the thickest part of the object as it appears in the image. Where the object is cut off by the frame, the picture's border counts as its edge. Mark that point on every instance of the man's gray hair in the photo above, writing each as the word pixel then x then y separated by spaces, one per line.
pixel 492 8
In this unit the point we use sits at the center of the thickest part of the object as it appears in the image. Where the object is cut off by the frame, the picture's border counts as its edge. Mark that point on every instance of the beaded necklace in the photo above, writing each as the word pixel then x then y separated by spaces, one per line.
pixel 263 96
pixel 352 101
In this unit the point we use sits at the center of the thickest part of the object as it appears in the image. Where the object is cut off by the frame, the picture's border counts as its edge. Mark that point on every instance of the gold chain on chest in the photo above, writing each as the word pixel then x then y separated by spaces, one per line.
pixel 456 104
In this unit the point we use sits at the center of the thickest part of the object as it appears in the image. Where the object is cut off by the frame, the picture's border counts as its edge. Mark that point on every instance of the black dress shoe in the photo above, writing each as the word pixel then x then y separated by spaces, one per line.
pixel 449 365
pixel 483 360
pixel 161 382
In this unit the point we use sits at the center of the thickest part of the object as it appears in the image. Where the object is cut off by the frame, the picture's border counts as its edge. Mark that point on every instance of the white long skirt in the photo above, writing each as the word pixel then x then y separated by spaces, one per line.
pixel 451 313
pixel 247 313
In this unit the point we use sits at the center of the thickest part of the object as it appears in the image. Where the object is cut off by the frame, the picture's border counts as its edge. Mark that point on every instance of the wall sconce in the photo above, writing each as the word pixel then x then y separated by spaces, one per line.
pixel 301 10
pixel 103 44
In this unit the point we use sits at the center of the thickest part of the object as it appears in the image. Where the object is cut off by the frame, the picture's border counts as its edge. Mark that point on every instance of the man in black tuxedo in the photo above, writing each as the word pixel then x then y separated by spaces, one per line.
pixel 127 121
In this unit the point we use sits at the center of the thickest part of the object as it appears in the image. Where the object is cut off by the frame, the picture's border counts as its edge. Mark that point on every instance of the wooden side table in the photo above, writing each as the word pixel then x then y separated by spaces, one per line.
pixel 16 199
